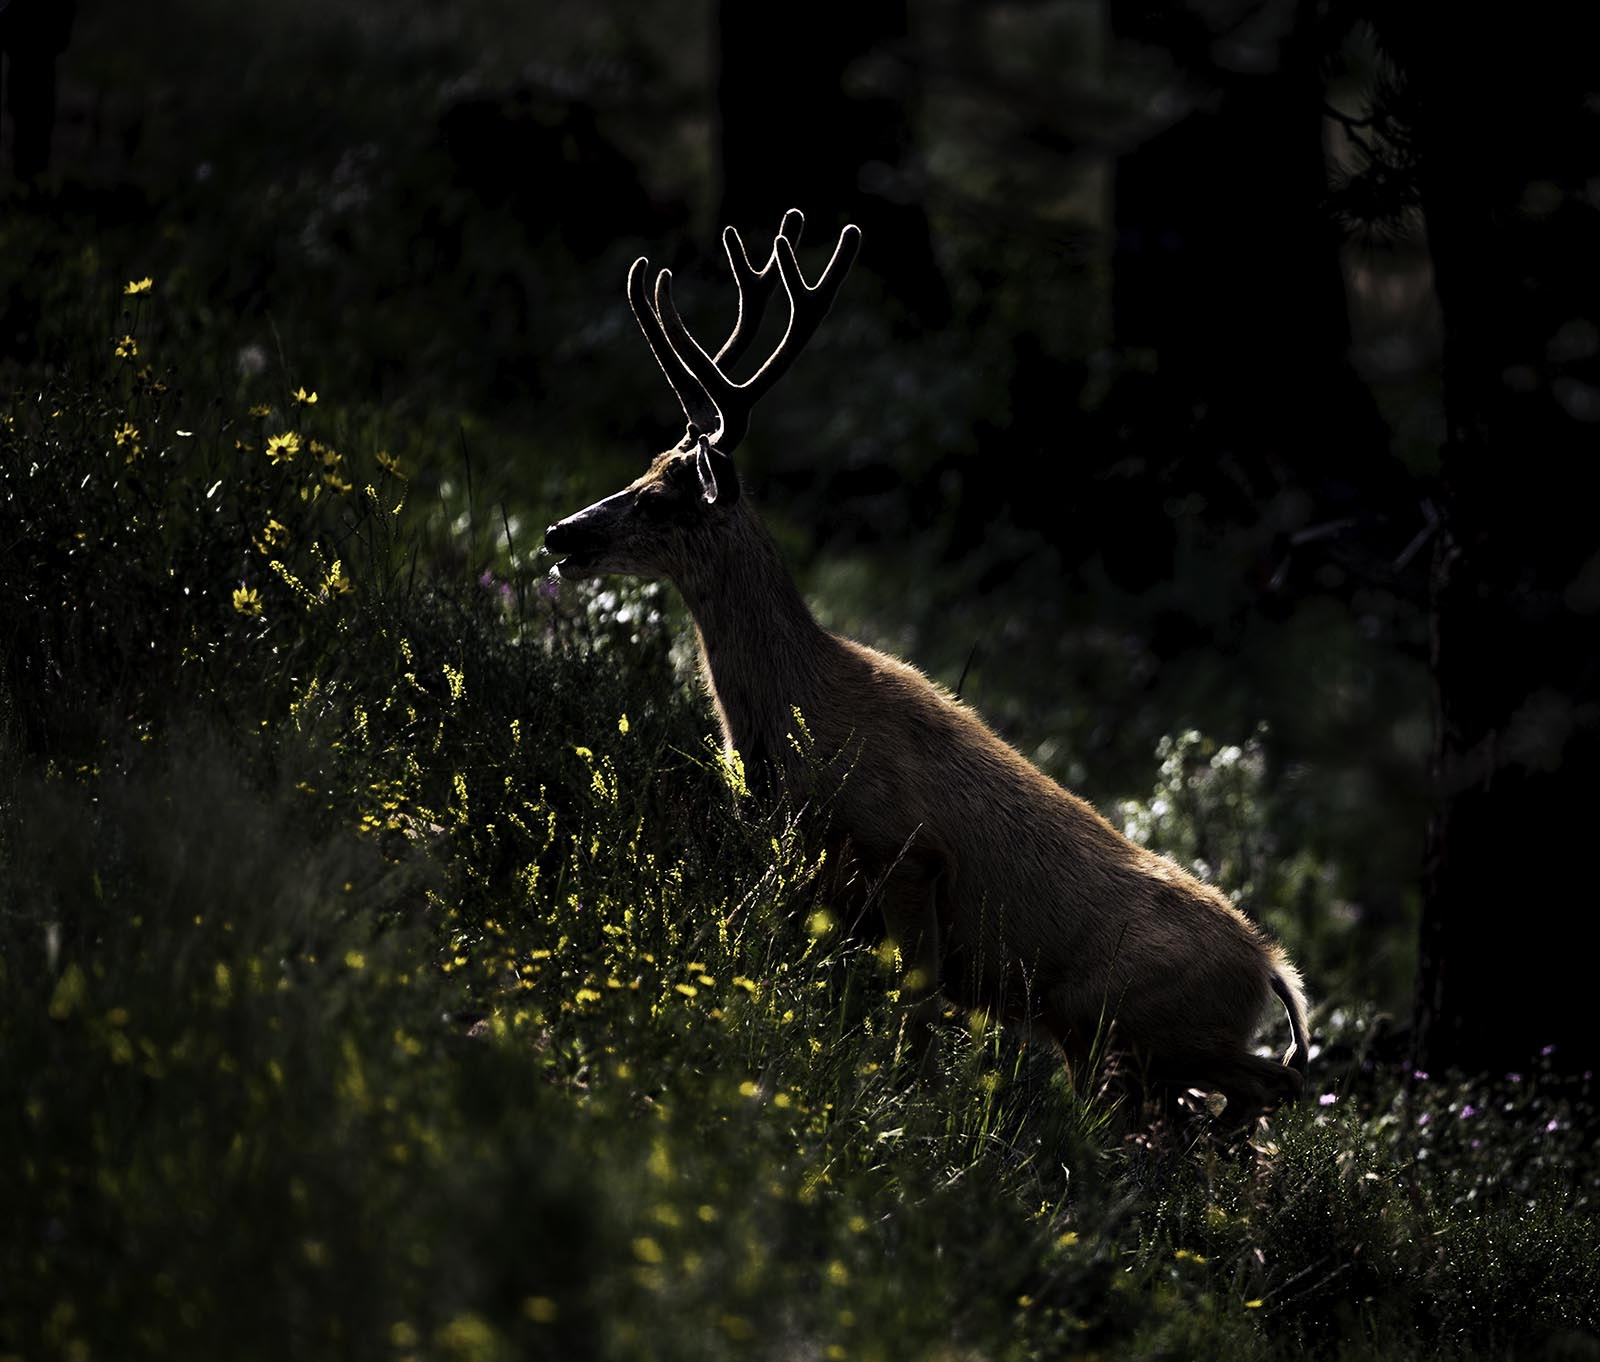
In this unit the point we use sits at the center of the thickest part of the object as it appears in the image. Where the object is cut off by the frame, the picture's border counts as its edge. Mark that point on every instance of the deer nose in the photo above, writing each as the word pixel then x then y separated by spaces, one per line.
pixel 560 537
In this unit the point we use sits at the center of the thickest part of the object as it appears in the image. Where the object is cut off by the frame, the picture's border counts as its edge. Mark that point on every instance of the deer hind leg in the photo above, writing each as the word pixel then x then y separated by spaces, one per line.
pixel 1099 1064
pixel 1141 1067
pixel 1250 1084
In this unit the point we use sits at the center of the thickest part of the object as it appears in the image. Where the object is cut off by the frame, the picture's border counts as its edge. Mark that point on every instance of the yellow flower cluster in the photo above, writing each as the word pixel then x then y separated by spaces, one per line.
pixel 332 460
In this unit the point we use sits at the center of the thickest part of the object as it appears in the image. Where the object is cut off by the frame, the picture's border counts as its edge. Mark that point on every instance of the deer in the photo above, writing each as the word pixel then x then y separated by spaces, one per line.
pixel 996 888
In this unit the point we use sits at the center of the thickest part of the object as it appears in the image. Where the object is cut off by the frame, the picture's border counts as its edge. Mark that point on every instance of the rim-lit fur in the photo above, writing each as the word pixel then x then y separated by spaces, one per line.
pixel 1002 889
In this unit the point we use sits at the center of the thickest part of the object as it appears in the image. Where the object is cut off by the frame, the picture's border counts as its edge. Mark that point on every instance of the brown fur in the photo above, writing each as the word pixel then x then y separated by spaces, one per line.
pixel 1002 888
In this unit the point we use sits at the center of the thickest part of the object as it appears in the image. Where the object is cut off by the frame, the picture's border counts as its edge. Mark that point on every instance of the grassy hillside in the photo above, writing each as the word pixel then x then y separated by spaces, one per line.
pixel 390 968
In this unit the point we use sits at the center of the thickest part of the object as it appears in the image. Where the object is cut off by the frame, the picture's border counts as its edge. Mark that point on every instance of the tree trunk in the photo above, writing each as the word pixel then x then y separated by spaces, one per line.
pixel 1226 282
pixel 1508 160
pixel 816 110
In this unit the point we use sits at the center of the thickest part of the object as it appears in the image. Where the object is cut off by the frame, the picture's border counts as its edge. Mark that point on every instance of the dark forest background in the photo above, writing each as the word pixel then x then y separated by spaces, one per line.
pixel 1207 367
pixel 391 967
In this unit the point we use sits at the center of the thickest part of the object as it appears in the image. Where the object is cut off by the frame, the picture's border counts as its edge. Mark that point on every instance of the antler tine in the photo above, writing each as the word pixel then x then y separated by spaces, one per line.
pixel 698 408
pixel 755 287
pixel 808 305
pixel 690 354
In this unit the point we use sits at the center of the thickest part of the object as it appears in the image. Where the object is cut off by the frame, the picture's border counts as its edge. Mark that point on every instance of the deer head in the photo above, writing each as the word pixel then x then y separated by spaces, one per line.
pixel 651 527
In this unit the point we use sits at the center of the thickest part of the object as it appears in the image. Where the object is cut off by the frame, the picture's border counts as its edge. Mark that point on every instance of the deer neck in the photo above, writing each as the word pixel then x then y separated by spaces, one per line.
pixel 761 652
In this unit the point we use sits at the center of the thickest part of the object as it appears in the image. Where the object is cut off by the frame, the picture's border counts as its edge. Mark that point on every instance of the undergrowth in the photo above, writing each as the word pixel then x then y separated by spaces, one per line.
pixel 391 967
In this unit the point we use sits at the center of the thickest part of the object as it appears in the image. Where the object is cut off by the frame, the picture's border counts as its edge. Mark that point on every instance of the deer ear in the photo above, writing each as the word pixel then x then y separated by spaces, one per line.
pixel 719 480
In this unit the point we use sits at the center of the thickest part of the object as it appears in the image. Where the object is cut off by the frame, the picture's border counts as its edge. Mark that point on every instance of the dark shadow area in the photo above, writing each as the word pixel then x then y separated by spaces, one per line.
pixel 1131 419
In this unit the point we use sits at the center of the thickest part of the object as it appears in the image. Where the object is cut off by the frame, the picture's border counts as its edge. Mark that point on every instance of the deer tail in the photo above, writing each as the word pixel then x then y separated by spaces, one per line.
pixel 1291 993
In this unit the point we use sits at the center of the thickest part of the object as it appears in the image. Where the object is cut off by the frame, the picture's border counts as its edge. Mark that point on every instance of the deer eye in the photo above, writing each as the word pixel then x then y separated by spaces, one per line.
pixel 655 504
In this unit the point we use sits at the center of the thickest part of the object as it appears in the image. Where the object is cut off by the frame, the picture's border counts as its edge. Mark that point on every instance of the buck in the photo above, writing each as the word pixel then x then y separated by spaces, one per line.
pixel 999 888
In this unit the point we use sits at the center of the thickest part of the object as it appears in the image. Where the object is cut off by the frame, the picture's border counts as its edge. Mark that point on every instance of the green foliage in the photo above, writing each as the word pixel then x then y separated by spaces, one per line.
pixel 391 967
pixel 1216 810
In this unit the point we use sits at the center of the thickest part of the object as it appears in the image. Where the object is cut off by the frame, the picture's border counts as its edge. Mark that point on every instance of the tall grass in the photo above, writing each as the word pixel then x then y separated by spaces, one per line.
pixel 390 967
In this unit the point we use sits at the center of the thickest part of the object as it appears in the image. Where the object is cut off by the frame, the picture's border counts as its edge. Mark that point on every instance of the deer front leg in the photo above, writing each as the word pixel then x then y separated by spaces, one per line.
pixel 910 895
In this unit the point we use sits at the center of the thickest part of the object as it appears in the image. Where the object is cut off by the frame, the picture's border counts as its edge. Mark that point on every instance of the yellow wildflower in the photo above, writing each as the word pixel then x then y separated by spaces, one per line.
pixel 71 989
pixel 247 600
pixel 388 462
pixel 127 348
pixel 283 448
pixel 272 533
pixel 134 287
pixel 468 1336
pixel 127 435
pixel 304 398
pixel 337 483
pixel 260 409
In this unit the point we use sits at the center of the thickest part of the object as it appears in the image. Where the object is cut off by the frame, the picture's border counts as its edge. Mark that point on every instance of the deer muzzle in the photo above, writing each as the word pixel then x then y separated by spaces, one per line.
pixel 582 539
